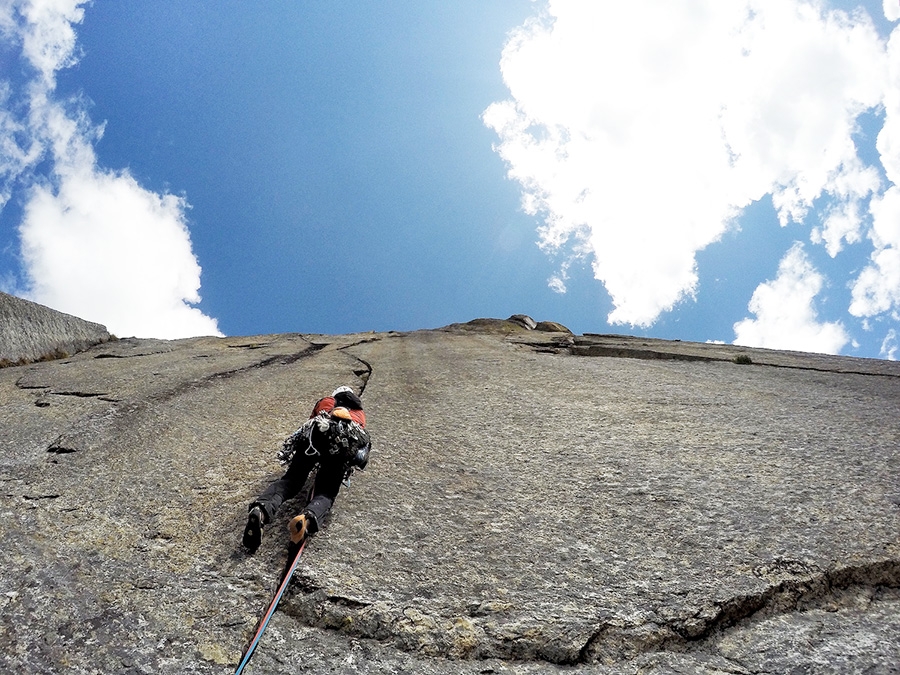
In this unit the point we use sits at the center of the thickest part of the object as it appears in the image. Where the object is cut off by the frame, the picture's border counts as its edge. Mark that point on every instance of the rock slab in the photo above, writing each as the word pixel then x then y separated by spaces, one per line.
pixel 536 502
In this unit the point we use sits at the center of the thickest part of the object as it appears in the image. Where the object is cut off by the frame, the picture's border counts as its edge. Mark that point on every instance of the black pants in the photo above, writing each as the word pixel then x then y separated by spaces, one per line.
pixel 328 483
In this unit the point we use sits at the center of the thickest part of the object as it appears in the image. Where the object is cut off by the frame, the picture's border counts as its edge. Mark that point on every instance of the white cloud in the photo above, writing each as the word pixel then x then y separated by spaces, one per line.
pixel 103 248
pixel 890 346
pixel 892 10
pixel 557 283
pixel 785 315
pixel 94 243
pixel 843 219
pixel 877 288
pixel 640 130
pixel 14 158
pixel 48 34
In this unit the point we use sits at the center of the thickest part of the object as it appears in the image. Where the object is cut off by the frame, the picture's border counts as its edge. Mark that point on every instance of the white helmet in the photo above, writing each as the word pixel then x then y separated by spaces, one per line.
pixel 339 390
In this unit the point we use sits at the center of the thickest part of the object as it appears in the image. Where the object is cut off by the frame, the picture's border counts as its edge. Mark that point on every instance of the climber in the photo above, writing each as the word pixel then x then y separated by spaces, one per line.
pixel 334 439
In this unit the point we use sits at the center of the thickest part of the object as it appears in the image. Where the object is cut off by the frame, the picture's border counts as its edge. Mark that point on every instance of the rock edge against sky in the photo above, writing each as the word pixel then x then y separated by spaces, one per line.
pixel 535 500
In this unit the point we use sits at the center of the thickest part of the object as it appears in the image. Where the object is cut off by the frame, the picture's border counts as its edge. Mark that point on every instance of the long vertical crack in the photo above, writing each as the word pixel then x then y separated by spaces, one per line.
pixel 365 372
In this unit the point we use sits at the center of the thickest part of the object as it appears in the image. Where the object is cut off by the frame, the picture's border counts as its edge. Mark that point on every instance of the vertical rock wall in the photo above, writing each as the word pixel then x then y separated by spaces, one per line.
pixel 31 332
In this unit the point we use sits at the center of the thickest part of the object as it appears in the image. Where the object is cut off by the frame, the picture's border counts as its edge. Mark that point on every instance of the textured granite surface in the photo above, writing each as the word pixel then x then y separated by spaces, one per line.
pixel 536 502
pixel 31 332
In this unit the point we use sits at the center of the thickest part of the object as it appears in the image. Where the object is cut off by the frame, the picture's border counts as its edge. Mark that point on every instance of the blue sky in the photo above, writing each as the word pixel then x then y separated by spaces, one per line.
pixel 672 169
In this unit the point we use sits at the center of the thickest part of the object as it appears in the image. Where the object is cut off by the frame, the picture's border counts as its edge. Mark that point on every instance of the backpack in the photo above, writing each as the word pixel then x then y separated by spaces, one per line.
pixel 327 436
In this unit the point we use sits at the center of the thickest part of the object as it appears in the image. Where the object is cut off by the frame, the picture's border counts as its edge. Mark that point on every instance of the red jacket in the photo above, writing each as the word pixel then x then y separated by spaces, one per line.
pixel 327 405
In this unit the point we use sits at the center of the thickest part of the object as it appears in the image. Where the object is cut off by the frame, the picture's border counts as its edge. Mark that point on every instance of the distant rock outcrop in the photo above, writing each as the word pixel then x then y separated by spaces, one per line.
pixel 517 323
pixel 31 332
pixel 536 503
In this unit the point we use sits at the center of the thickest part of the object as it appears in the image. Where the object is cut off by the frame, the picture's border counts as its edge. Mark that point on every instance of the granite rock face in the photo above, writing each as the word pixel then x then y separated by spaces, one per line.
pixel 31 332
pixel 536 502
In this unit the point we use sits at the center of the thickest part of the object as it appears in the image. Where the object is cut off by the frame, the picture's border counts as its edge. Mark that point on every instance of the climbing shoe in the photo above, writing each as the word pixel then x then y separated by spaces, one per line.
pixel 298 527
pixel 253 531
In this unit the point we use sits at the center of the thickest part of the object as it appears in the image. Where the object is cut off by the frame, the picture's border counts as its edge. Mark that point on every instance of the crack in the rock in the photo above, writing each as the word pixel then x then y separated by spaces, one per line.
pixel 610 644
pixel 279 360
pixel 44 400
pixel 365 372
pixel 66 445
pixel 57 447
pixel 304 584
pixel 351 603
pixel 814 369
pixel 251 345
pixel 588 349
pixel 27 387
pixel 632 353
pixel 48 390
pixel 741 668
pixel 612 641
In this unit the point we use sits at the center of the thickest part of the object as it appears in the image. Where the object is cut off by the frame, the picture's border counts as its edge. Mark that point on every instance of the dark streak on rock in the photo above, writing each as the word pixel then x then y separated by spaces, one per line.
pixel 624 352
pixel 585 346
pixel 283 360
pixel 58 449
pixel 350 603
pixel 19 385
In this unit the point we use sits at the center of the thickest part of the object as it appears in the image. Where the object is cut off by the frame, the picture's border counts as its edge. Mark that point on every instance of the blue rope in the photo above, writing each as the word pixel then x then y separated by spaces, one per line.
pixel 271 611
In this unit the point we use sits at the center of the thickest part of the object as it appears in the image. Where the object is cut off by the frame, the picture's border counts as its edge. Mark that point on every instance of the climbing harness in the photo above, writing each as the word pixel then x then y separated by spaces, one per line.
pixel 289 572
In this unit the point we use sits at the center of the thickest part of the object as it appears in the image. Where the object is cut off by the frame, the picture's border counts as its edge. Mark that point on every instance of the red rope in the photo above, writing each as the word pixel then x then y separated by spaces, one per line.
pixel 265 620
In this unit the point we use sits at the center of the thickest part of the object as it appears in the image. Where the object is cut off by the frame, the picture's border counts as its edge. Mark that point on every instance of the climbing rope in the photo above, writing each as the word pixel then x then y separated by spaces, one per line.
pixel 268 615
